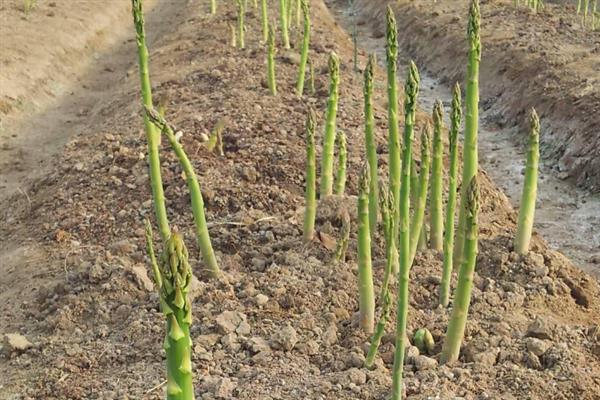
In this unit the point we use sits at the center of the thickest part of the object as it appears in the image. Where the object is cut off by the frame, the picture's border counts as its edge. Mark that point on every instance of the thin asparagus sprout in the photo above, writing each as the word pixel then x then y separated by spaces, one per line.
pixel 371 148
pixel 411 90
pixel 470 156
pixel 326 187
pixel 271 82
pixel 152 135
pixel 285 38
pixel 208 255
pixel 264 20
pixel 305 45
pixel 462 296
pixel 342 244
pixel 241 28
pixel 340 178
pixel 437 184
pixel 529 194
pixel 311 178
pixel 456 116
pixel 416 223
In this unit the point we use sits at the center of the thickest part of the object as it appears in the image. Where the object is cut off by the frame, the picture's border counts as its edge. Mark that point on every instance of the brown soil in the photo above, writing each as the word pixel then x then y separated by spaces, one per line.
pixel 73 272
pixel 545 60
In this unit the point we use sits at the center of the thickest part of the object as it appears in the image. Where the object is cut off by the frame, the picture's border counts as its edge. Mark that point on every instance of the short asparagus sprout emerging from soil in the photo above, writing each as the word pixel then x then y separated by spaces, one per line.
pixel 152 134
pixel 271 82
pixel 208 255
pixel 529 194
pixel 305 45
pixel 371 148
pixel 411 90
pixel 365 273
pixel 395 162
pixel 326 187
pixel 233 39
pixel 470 153
pixel 342 243
pixel 340 177
pixel 215 140
pixel 423 340
pixel 437 166
pixel 456 115
pixel 311 178
pixel 385 298
pixel 241 27
pixel 173 277
pixel 285 38
pixel 462 295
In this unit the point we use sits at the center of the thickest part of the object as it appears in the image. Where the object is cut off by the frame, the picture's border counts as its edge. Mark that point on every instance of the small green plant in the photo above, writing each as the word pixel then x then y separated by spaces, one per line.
pixel 423 340
pixel 264 20
pixel 285 38
pixel 529 194
pixel 213 6
pixel 305 45
pixel 28 6
pixel 326 187
pixel 371 148
pixel 342 243
pixel 417 221
pixel 271 82
pixel 215 140
pixel 311 76
pixel 311 178
pixel 437 184
pixel 241 27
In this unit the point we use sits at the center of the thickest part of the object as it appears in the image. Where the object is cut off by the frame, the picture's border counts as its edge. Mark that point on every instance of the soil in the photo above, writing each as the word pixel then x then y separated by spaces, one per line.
pixel 281 322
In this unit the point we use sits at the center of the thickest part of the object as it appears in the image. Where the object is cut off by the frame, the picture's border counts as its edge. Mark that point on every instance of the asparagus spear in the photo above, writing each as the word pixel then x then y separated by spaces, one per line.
pixel 340 179
pixel 311 173
pixel 264 20
pixel 326 188
pixel 450 206
pixel 437 164
pixel 271 61
pixel 285 38
pixel 305 44
pixel 365 274
pixel 416 223
pixel 529 194
pixel 462 297
pixel 371 148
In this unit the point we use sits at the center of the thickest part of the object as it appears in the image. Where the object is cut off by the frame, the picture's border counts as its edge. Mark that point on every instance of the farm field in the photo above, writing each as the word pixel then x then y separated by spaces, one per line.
pixel 79 309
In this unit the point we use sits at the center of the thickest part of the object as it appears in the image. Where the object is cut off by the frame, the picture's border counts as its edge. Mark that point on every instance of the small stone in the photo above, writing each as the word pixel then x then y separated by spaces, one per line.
pixel 330 335
pixel 411 353
pixel 488 357
pixel 532 361
pixel 229 321
pixel 355 360
pixel 257 344
pixel 123 247
pixel 290 57
pixel 261 299
pixel 537 346
pixel 356 376
pixel 231 342
pixel 540 328
pixel 422 363
pixel 15 343
pixel 202 354
pixel 243 328
pixel 141 278
pixel 223 389
pixel 285 339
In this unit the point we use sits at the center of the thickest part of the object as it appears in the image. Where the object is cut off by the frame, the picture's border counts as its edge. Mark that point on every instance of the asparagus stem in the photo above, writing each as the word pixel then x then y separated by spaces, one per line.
pixel 462 297
pixel 173 277
pixel 152 135
pixel 271 82
pixel 311 76
pixel 385 297
pixel 305 44
pixel 326 188
pixel 213 6
pixel 365 274
pixel 437 164
pixel 416 223
pixel 233 40
pixel 340 180
pixel 470 156
pixel 311 178
pixel 371 148
pixel 342 244
pixel 241 13
pixel 285 38
pixel 264 20
pixel 456 115
pixel 411 90
pixel 208 255
pixel 529 194
pixel 394 163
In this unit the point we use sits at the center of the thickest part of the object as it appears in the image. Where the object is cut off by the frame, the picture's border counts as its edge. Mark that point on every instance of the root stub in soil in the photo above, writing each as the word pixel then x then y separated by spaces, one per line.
pixel 281 322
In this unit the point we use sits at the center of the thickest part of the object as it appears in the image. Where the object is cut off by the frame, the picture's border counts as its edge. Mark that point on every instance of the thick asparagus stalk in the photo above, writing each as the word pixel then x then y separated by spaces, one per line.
pixel 152 135
pixel 371 148
pixel 462 297
pixel 213 6
pixel 271 62
pixel 394 162
pixel 416 223
pixel 326 188
pixel 285 38
pixel 340 178
pixel 264 20
pixel 456 115
pixel 385 297
pixel 208 255
pixel 173 277
pixel 365 274
pixel 437 163
pixel 470 156
pixel 305 44
pixel 241 28
pixel 411 90
pixel 311 178
pixel 529 194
